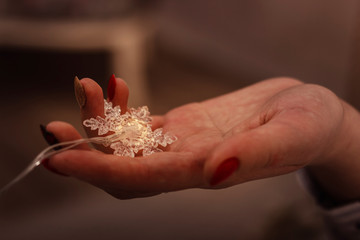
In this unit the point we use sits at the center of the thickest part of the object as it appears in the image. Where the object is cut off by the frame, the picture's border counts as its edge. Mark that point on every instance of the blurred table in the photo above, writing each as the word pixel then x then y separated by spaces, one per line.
pixel 125 39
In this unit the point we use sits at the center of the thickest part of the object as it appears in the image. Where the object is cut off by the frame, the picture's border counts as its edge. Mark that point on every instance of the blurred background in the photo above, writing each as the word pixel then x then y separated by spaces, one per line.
pixel 170 53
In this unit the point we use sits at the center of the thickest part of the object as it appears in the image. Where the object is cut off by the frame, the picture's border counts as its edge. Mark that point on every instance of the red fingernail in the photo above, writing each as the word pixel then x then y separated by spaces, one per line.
pixel 45 163
pixel 225 170
pixel 49 137
pixel 111 87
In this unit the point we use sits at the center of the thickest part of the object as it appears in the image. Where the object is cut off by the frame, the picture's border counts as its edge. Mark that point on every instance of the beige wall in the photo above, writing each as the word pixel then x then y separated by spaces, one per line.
pixel 252 39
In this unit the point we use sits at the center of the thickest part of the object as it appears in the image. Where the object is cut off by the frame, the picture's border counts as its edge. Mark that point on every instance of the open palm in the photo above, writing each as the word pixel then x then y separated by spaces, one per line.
pixel 270 128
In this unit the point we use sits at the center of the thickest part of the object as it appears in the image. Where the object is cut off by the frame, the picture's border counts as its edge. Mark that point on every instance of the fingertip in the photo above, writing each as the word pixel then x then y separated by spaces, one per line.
pixel 49 137
pixel 56 125
pixel 95 99
pixel 235 159
pixel 62 129
pixel 157 122
pixel 123 95
pixel 111 87
pixel 92 89
pixel 118 93
pixel 226 149
pixel 225 169
pixel 64 132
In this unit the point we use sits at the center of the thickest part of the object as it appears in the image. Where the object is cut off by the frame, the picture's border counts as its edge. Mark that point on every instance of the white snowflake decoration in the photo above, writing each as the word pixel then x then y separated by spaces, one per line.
pixel 132 131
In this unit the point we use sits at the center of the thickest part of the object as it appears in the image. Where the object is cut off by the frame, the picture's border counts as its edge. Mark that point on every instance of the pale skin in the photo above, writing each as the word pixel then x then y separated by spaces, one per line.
pixel 274 127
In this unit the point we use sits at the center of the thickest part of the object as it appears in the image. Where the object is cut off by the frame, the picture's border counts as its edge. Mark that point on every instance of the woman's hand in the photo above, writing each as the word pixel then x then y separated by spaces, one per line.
pixel 274 127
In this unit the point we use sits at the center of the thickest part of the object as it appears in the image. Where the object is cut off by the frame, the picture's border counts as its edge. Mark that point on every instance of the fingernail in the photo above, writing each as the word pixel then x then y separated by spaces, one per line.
pixel 51 140
pixel 46 164
pixel 225 170
pixel 49 137
pixel 111 87
pixel 79 92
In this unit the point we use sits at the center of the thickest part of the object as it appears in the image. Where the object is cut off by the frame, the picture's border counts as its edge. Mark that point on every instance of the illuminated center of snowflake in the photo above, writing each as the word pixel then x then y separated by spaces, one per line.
pixel 132 131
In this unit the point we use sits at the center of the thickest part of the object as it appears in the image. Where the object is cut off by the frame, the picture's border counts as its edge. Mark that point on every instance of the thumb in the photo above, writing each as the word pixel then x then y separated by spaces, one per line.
pixel 272 149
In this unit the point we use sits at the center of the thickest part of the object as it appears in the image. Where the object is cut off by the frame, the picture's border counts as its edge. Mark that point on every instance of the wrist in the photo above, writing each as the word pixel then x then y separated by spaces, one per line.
pixel 338 173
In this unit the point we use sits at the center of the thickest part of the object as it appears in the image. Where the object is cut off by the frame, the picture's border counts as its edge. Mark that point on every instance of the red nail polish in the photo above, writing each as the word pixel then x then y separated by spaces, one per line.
pixel 49 137
pixel 45 163
pixel 226 168
pixel 111 87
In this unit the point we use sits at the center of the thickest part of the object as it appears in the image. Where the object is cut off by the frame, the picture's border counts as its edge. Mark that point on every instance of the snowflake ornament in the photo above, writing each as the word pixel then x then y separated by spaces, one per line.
pixel 132 131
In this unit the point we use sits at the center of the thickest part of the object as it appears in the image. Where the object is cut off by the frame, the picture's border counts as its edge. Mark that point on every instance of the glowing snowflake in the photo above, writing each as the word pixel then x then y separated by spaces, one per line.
pixel 132 131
